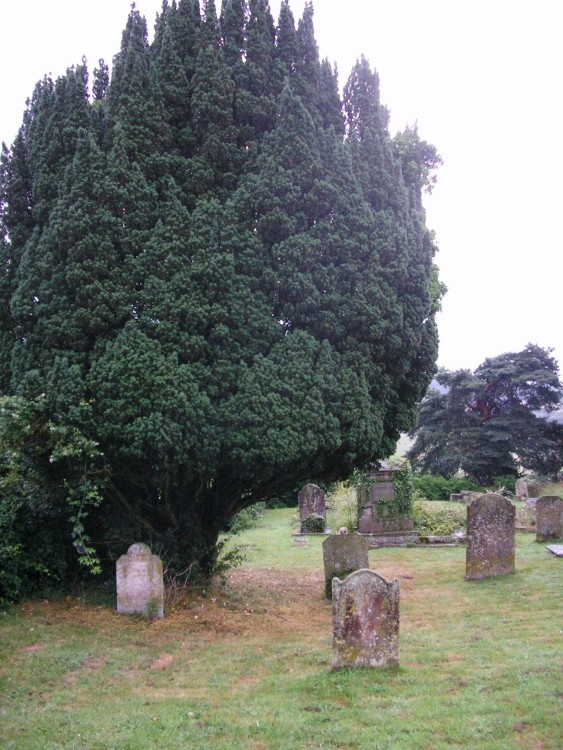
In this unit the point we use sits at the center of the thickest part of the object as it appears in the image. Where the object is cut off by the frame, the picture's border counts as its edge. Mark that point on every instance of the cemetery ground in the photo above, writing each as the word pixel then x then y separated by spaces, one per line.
pixel 246 665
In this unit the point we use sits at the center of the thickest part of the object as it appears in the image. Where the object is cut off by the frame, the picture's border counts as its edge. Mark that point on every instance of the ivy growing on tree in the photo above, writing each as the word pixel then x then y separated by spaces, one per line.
pixel 217 280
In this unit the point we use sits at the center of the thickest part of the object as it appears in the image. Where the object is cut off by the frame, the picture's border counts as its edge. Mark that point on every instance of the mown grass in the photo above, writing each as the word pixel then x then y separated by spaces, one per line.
pixel 247 666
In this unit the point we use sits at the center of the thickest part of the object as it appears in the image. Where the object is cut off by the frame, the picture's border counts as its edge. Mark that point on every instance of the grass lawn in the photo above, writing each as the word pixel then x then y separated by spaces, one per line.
pixel 246 666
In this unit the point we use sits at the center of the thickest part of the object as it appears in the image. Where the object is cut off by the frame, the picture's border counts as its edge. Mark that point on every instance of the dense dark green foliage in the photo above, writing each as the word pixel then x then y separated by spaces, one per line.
pixel 493 422
pixel 437 488
pixel 217 282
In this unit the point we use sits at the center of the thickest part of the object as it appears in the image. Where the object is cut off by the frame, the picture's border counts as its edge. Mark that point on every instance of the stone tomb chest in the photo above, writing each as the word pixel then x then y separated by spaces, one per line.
pixel 378 513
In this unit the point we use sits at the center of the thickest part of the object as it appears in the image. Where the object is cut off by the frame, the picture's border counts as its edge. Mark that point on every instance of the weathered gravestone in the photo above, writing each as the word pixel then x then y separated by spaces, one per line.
pixel 549 518
pixel 380 509
pixel 521 489
pixel 490 537
pixel 312 503
pixel 140 585
pixel 365 621
pixel 342 555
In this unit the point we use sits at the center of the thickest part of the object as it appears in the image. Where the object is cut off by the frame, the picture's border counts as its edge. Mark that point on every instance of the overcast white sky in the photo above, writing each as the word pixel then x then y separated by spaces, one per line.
pixel 483 80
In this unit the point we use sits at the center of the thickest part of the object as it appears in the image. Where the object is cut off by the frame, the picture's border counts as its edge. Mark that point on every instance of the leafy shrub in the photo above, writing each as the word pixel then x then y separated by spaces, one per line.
pixel 246 519
pixel 342 507
pixel 431 518
pixel 313 524
pixel 227 558
pixel 33 552
pixel 507 484
pixel 434 487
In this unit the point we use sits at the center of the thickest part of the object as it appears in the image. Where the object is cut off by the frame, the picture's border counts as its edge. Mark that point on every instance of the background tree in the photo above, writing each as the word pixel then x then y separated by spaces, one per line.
pixel 216 286
pixel 493 422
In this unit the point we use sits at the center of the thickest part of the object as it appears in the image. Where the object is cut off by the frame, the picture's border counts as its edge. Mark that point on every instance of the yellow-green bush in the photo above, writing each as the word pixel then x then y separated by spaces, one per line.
pixel 438 518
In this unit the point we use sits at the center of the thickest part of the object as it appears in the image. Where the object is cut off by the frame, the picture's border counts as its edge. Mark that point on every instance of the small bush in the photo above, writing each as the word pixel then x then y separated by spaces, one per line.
pixel 343 507
pixel 34 552
pixel 505 483
pixel 313 524
pixel 438 520
pixel 246 519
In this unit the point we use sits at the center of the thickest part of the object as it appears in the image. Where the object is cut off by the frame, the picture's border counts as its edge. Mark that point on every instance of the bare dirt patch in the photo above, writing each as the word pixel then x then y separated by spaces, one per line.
pixel 33 648
pixel 163 662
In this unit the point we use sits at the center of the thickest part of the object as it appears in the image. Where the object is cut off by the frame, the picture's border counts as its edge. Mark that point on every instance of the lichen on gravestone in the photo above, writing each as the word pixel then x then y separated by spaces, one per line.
pixel 343 554
pixel 365 621
pixel 491 525
pixel 139 582
pixel 549 518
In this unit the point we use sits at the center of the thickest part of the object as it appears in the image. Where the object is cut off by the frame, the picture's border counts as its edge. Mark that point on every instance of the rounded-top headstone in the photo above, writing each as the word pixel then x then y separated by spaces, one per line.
pixel 139 549
pixel 139 582
pixel 365 621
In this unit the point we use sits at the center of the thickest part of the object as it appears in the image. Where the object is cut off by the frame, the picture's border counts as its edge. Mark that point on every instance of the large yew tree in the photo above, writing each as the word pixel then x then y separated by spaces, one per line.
pixel 217 280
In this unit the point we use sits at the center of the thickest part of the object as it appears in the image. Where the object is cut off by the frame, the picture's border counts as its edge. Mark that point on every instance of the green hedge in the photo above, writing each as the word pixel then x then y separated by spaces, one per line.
pixel 430 487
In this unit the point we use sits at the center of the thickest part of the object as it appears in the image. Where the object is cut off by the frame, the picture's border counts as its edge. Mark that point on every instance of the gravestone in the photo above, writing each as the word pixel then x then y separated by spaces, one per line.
pixel 490 537
pixel 365 621
pixel 521 489
pixel 342 555
pixel 140 585
pixel 377 514
pixel 549 518
pixel 556 549
pixel 311 503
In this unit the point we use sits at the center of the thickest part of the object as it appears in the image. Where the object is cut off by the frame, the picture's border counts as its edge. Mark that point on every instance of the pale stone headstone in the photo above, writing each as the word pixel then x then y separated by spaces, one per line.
pixel 140 585
pixel 556 549
pixel 365 621
pixel 521 489
pixel 342 555
pixel 311 503
pixel 491 523
pixel 549 518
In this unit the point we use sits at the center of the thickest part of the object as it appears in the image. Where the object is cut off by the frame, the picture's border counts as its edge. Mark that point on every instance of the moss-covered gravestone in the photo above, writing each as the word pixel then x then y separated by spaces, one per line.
pixel 312 509
pixel 140 585
pixel 385 502
pixel 549 518
pixel 490 537
pixel 342 555
pixel 365 621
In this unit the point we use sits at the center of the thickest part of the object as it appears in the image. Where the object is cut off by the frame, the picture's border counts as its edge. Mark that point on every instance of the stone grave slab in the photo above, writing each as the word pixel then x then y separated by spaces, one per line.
pixel 140 584
pixel 491 521
pixel 549 518
pixel 312 502
pixel 365 621
pixel 342 555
